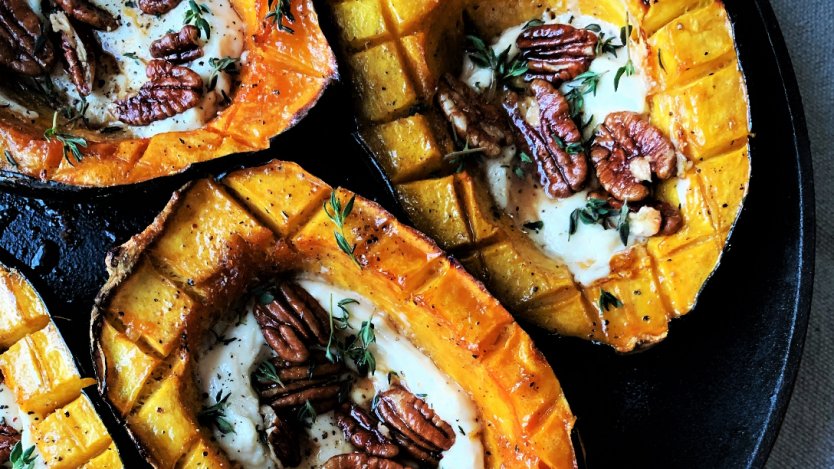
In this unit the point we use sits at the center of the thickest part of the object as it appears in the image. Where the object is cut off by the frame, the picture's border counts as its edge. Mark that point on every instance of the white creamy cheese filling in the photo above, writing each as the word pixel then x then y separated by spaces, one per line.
pixel 587 253
pixel 226 367
pixel 129 45
pixel 11 415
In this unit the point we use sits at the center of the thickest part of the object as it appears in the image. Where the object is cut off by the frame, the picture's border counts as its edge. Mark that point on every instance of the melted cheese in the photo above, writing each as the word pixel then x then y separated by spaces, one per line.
pixel 11 415
pixel 587 253
pixel 134 37
pixel 227 368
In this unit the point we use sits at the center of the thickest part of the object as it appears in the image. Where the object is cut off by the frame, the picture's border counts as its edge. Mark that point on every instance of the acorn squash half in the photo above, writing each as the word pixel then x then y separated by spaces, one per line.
pixel 37 373
pixel 169 284
pixel 287 66
pixel 397 50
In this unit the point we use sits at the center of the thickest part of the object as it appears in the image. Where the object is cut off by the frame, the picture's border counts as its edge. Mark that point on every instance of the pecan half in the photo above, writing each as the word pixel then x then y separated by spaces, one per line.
pixel 548 134
pixel 420 431
pixel 157 7
pixel 360 461
pixel 319 382
pixel 87 13
pixel 671 220
pixel 283 438
pixel 475 121
pixel 292 321
pixel 180 47
pixel 8 438
pixel 360 428
pixel 24 47
pixel 556 52
pixel 627 150
pixel 172 89
pixel 78 58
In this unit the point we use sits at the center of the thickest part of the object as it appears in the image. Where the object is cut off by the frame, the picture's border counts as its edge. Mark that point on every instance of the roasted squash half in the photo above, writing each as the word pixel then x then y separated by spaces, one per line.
pixel 43 402
pixel 397 50
pixel 214 238
pixel 286 68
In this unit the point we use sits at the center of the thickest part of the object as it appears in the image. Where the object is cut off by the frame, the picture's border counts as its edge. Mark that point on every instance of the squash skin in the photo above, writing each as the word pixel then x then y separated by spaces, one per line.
pixel 697 97
pixel 39 371
pixel 450 316
pixel 283 78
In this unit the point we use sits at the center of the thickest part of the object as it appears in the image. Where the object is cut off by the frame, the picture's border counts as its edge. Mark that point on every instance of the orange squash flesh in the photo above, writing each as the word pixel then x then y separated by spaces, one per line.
pixel 282 77
pixel 397 49
pixel 215 238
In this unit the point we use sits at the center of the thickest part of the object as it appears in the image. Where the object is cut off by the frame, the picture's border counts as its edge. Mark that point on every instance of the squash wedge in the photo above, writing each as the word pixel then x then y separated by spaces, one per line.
pixel 397 50
pixel 38 373
pixel 284 72
pixel 169 283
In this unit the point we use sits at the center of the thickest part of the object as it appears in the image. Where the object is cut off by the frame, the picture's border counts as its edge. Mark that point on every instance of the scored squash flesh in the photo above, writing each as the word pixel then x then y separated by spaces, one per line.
pixel 397 50
pixel 36 367
pixel 283 76
pixel 215 238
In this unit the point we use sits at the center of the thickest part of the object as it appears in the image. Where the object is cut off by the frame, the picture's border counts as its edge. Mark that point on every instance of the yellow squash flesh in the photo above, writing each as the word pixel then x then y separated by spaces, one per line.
pixel 697 97
pixel 283 76
pixel 215 238
pixel 37 368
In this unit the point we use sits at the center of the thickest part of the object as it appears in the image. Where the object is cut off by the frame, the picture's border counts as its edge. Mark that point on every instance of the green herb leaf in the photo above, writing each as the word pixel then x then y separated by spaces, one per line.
pixel 607 301
pixel 267 373
pixel 594 28
pixel 132 55
pixel 216 415
pixel 525 158
pixel 337 215
pixel 628 68
pixel 622 224
pixel 194 14
pixel 71 143
pixel 459 157
pixel 596 211
pixel 392 375
pixel 534 23
pixel 22 459
pixel 226 64
pixel 280 10
pixel 307 413
pixel 534 225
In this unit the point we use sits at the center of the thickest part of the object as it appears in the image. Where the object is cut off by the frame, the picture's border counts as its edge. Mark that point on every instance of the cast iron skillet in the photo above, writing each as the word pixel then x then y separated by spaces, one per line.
pixel 711 395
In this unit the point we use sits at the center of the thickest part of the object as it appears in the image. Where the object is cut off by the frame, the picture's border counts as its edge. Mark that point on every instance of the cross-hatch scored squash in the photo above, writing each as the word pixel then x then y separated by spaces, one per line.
pixel 397 50
pixel 38 370
pixel 283 76
pixel 215 238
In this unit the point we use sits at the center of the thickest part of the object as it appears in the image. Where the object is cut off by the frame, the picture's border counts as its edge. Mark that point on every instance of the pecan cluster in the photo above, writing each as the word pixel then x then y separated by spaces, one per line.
pixel 360 461
pixel 627 151
pixel 547 132
pixel 8 438
pixel 180 47
pixel 87 13
pixel 293 322
pixel 362 430
pixel 23 45
pixel 556 52
pixel 171 89
pixel 474 121
pixel 157 7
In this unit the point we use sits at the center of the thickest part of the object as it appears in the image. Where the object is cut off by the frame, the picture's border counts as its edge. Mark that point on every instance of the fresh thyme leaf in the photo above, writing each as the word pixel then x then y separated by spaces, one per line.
pixel 519 172
pixel 307 413
pixel 392 375
pixel 70 142
pixel 570 148
pixel 461 430
pixel 605 45
pixel 421 395
pixel 266 297
pixel 503 68
pixel 525 158
pixel 22 459
pixel 267 373
pixel 359 348
pixel 607 301
pixel 459 157
pixel 596 211
pixel 628 68
pixel 622 224
pixel 226 64
pixel 534 225
pixel 194 14
pixel 374 402
pixel 337 215
pixel 535 22
pixel 222 339
pixel 594 28
pixel 132 55
pixel 280 9
pixel 10 158
pixel 216 415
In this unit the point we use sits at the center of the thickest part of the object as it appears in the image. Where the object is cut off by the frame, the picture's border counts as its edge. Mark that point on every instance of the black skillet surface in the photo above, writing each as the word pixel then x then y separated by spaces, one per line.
pixel 711 395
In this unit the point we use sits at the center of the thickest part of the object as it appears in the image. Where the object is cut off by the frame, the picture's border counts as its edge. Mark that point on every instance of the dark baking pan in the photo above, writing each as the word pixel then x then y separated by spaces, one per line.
pixel 711 395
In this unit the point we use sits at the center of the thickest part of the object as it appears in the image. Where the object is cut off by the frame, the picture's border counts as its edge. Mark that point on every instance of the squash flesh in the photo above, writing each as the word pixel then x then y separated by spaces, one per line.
pixel 300 66
pixel 432 301
pixel 698 99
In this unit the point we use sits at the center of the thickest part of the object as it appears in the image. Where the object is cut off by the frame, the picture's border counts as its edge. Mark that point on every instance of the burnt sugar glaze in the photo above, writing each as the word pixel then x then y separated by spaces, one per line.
pixel 225 367
pixel 588 251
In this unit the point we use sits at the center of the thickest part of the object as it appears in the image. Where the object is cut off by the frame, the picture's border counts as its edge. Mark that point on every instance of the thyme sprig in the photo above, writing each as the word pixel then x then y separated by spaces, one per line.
pixel 600 212
pixel 71 143
pixel 22 459
pixel 334 352
pixel 218 65
pixel 607 301
pixel 267 373
pixel 216 414
pixel 338 214
pixel 628 68
pixel 584 84
pixel 459 157
pixel 279 10
pixel 503 68
pixel 307 413
pixel 194 14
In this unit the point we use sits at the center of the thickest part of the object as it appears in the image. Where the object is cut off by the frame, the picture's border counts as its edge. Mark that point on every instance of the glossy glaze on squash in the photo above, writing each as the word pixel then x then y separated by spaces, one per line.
pixel 397 50
pixel 38 370
pixel 215 238
pixel 283 76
